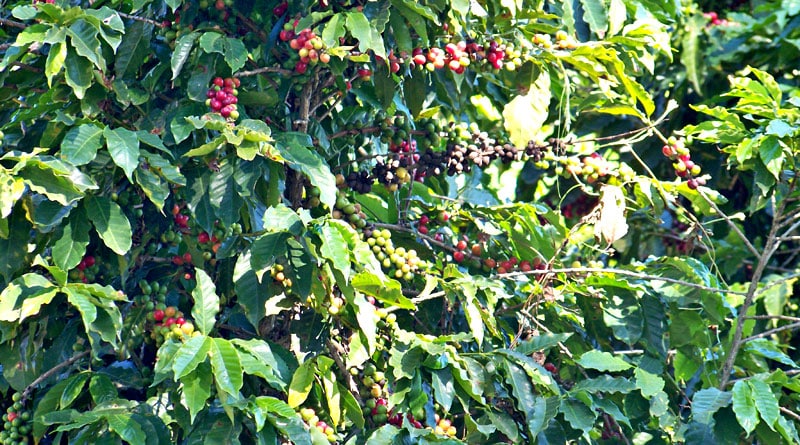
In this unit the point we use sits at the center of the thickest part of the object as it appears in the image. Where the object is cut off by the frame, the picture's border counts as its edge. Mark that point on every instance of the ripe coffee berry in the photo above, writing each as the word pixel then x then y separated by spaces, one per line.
pixel 222 97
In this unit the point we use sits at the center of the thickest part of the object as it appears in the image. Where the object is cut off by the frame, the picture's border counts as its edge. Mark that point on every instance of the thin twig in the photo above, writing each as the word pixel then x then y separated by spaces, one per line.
pixel 266 69
pixel 733 226
pixel 790 413
pixel 623 272
pixel 787 327
pixel 13 24
pixel 772 317
pixel 52 371
pixel 141 19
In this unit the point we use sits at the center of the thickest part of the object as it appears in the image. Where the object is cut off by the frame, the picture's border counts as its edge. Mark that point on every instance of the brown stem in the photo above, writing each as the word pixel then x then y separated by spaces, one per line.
pixel 13 24
pixel 771 245
pixel 141 19
pixel 52 371
pixel 263 70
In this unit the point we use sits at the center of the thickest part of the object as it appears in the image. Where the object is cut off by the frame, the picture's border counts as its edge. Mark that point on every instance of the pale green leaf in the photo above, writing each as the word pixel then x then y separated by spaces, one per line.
pixel 602 361
pixel 524 115
pixel 226 366
pixel 206 303
pixel 191 353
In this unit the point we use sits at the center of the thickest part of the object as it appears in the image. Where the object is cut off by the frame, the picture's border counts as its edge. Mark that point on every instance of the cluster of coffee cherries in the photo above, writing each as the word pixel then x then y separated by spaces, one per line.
pixel 347 210
pixel 313 421
pixel 169 322
pixel 278 274
pixel 444 427
pixel 579 207
pixel 87 270
pixel 676 150
pixel 17 425
pixel 222 97
pixel 592 167
pixel 374 393
pixel 457 56
pixel 208 244
pixel 398 261
pixel 309 46
pixel 714 19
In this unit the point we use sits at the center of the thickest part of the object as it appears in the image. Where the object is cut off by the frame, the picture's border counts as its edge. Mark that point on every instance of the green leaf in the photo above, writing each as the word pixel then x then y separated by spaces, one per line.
pixel 125 427
pixel 743 406
pixel 123 145
pixel 13 249
pixel 110 223
pixel 266 249
pixel 351 407
pixel 83 37
pixel 541 342
pixel 226 366
pixel 524 395
pixel 362 30
pixel 708 401
pixel 235 53
pixel 765 401
pixel 196 388
pixel 55 61
pixel 335 248
pixel 296 148
pixel 78 73
pixel 692 54
pixel 191 353
pixel 387 291
pixel 604 384
pixel 183 47
pixel 102 389
pixel 71 247
pixel 24 296
pixel 73 389
pixel 206 302
pixel 649 384
pixel 577 414
pixel 771 152
pixel 596 15
pixel 81 143
pixel 602 361
pixel 300 386
pixel 524 116
pixel 11 190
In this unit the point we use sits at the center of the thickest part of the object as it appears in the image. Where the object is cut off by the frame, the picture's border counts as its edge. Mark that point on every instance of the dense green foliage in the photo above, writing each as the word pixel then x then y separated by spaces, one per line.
pixel 399 222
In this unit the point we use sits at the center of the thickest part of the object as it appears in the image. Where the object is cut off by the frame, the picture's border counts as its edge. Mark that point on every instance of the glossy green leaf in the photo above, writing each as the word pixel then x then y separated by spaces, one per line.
pixel 649 384
pixel 206 303
pixel 387 291
pixel 55 61
pixel 226 366
pixel 73 389
pixel 123 144
pixel 296 149
pixel 24 297
pixel 596 15
pixel 110 223
pixel 183 48
pixel 577 414
pixel 81 143
pixel 765 401
pixel 744 406
pixel 196 388
pixel 191 353
pixel 708 401
pixel 83 37
pixel 102 389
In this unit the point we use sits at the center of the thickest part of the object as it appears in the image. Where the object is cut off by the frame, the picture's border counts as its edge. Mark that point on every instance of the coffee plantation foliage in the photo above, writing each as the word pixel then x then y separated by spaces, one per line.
pixel 399 222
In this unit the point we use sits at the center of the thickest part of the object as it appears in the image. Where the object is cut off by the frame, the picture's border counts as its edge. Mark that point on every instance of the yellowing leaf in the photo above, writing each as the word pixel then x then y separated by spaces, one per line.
pixel 611 224
pixel 525 115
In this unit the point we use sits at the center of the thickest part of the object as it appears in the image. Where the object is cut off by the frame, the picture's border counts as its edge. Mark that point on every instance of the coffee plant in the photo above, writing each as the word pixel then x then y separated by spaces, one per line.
pixel 399 222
